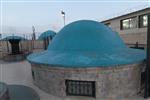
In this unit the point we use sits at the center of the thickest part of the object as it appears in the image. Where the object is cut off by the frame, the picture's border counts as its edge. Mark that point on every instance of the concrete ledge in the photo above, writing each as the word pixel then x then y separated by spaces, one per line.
pixel 12 58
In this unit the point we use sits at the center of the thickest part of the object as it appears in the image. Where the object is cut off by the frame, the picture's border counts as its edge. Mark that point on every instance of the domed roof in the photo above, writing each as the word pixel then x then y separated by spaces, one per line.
pixel 13 38
pixel 87 43
pixel 46 34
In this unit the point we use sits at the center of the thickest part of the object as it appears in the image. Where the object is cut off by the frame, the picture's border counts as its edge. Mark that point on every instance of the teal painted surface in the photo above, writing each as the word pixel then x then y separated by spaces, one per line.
pixel 13 38
pixel 46 34
pixel 20 92
pixel 87 43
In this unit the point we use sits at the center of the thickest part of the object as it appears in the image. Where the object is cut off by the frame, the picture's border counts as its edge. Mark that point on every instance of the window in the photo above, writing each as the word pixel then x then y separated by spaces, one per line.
pixel 80 88
pixel 143 21
pixel 129 23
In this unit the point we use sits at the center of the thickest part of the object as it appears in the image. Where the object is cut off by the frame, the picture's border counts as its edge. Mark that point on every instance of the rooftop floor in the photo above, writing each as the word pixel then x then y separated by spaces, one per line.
pixel 20 73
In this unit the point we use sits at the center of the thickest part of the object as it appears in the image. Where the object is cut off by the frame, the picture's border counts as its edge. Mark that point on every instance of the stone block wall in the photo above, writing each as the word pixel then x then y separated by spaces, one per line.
pixel 112 83
pixel 26 46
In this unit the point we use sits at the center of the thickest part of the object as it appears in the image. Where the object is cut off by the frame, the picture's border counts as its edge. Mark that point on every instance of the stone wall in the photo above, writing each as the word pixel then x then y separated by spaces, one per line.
pixel 132 39
pixel 112 83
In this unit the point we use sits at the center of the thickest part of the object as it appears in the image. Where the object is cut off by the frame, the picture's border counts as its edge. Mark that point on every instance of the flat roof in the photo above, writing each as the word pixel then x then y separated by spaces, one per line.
pixel 147 8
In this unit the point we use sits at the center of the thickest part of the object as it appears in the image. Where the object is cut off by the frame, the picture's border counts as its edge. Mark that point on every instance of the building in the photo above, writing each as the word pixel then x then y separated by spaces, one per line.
pixel 132 27
pixel 83 61
pixel 46 37
pixel 13 48
pixel 15 44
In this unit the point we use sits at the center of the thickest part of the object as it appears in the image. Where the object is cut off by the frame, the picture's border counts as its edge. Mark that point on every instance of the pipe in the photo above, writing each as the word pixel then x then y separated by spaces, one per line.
pixel 147 74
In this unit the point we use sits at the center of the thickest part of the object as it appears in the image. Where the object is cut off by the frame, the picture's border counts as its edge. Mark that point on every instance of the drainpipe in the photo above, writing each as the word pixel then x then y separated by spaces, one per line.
pixel 147 74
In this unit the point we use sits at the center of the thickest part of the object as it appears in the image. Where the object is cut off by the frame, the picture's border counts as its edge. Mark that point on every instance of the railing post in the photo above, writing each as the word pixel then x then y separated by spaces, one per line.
pixel 147 75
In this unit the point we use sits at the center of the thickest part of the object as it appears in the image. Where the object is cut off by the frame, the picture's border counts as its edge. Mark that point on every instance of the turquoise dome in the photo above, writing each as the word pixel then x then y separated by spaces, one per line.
pixel 87 43
pixel 46 34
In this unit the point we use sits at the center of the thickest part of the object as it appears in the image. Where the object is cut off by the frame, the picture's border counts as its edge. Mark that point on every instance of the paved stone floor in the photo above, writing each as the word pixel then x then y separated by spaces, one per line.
pixel 20 73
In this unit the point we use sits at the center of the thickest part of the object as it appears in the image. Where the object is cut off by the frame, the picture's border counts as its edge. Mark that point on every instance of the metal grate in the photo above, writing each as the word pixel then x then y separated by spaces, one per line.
pixel 80 88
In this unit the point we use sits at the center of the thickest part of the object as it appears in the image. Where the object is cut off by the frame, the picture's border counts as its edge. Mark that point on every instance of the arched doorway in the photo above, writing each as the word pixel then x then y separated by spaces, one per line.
pixel 15 49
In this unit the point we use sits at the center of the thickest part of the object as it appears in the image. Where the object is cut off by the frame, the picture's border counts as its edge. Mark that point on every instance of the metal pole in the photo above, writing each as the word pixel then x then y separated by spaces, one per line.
pixel 64 19
pixel 33 34
pixel 0 36
pixel 147 74
pixel 33 37
pixel 63 15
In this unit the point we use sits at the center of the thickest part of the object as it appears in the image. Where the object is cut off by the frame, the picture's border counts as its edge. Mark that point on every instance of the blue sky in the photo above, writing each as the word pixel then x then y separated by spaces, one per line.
pixel 20 16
